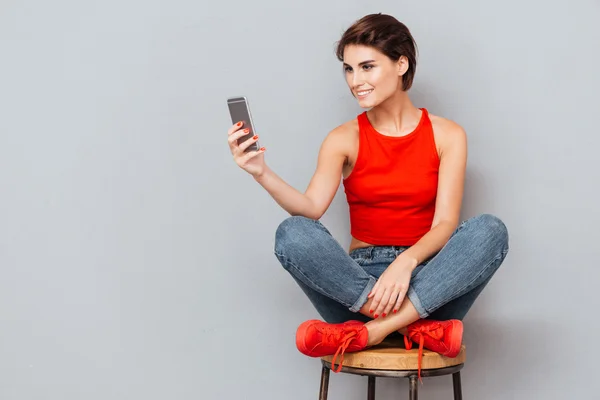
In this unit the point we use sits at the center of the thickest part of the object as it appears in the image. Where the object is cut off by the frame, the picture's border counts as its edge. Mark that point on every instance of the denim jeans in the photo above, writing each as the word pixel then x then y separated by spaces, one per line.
pixel 443 287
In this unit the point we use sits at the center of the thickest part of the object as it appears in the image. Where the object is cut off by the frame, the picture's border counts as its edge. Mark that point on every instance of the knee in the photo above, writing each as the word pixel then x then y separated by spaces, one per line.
pixel 493 230
pixel 293 233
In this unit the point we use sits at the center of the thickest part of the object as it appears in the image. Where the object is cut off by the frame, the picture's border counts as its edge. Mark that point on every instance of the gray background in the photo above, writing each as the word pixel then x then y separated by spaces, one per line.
pixel 136 257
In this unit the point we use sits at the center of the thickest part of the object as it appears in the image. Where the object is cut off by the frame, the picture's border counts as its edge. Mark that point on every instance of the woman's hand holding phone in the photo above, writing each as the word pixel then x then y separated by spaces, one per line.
pixel 252 162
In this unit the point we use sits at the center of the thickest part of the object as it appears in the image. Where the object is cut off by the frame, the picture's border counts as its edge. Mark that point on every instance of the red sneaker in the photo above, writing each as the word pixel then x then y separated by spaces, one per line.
pixel 316 338
pixel 444 337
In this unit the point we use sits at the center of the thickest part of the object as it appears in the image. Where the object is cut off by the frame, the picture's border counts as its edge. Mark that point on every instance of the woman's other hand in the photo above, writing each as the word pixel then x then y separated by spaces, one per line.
pixel 391 287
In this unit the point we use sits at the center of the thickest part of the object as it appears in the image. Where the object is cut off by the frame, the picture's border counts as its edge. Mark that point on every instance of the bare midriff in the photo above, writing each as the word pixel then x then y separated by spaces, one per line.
pixel 357 244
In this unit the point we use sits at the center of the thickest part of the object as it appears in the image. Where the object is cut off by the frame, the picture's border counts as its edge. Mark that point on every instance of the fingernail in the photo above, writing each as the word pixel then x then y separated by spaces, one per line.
pixel 246 130
pixel 376 315
pixel 239 124
pixel 262 149
pixel 255 137
pixel 395 311
pixel 370 311
pixel 383 315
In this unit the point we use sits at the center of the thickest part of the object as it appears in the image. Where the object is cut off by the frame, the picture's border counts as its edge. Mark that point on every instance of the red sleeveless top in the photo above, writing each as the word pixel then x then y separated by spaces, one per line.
pixel 392 189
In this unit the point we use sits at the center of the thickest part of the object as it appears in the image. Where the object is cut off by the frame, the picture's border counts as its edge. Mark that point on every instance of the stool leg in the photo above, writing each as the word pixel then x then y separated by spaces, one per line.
pixel 457 386
pixel 371 389
pixel 414 391
pixel 324 383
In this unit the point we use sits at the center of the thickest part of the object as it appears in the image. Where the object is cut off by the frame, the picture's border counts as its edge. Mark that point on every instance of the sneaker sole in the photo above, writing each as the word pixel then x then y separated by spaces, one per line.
pixel 456 339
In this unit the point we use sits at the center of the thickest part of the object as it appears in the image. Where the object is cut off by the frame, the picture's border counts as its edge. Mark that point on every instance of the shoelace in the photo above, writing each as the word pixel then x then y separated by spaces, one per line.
pixel 332 337
pixel 419 333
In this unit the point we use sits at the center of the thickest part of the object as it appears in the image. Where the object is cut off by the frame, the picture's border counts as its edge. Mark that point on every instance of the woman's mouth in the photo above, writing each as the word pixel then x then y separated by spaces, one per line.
pixel 363 93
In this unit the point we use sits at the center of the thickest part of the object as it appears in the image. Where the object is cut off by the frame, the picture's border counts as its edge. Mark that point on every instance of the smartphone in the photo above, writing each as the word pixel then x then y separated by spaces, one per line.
pixel 240 111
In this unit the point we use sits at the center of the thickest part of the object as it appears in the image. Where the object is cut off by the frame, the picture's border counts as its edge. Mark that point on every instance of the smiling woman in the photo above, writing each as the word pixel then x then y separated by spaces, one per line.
pixel 388 37
pixel 412 266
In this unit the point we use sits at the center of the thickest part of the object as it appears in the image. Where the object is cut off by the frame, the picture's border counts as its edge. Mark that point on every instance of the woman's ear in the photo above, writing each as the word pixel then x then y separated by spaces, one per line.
pixel 402 65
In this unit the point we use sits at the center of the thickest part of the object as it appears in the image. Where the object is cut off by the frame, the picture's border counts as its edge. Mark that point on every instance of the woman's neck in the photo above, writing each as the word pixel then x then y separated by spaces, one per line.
pixel 396 116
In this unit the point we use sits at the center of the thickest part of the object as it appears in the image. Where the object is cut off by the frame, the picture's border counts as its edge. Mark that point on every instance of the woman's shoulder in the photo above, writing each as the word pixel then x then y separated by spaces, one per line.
pixel 348 128
pixel 446 131
pixel 344 136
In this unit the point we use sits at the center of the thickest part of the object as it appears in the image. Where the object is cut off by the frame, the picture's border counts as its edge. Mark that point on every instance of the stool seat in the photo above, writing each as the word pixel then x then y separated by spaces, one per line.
pixel 388 355
pixel 390 359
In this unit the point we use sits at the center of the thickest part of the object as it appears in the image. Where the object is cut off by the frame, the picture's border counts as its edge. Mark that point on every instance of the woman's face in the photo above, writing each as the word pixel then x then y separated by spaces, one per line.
pixel 372 76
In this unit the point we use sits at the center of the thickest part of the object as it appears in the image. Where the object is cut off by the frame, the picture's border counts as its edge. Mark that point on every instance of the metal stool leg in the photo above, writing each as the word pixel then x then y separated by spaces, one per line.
pixel 371 389
pixel 457 386
pixel 324 383
pixel 414 390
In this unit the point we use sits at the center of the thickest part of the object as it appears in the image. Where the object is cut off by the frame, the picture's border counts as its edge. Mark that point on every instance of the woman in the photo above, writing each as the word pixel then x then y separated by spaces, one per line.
pixel 410 267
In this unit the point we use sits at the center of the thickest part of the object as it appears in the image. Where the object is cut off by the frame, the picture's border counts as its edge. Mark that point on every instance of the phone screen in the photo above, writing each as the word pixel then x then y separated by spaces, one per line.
pixel 240 111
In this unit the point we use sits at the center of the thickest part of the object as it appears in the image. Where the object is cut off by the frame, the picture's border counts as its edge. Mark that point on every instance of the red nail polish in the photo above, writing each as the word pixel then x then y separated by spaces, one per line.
pixel 376 315
pixel 255 137
pixel 246 130
pixel 239 124
pixel 262 149
pixel 395 311
pixel 370 311
pixel 383 315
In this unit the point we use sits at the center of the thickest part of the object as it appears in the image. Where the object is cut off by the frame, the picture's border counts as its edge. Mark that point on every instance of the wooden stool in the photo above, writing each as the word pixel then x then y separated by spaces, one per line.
pixel 390 359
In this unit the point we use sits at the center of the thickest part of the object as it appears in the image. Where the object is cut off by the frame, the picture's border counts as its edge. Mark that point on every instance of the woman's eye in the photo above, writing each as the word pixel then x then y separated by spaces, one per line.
pixel 365 67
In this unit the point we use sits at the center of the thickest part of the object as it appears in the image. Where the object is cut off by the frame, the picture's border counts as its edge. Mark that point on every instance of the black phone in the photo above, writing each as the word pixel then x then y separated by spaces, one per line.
pixel 239 110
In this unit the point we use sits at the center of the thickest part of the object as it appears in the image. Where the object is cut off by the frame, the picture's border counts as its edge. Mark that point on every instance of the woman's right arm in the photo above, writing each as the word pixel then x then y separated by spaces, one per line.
pixel 322 187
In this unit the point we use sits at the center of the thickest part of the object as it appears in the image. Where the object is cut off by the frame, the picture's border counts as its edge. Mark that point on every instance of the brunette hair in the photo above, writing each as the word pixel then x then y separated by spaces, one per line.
pixel 386 34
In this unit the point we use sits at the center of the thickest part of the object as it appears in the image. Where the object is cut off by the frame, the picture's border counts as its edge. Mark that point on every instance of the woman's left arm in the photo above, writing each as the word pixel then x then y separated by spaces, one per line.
pixel 453 162
pixel 392 285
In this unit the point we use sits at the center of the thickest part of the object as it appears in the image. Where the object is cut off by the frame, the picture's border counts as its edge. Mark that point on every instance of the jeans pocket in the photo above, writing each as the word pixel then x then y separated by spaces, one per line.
pixel 375 269
pixel 361 261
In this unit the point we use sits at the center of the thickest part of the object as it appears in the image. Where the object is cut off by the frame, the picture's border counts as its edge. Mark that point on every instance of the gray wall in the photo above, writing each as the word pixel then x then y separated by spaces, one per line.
pixel 136 257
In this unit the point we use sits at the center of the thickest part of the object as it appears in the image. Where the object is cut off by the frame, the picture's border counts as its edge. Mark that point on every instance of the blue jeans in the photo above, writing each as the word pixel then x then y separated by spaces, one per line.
pixel 443 287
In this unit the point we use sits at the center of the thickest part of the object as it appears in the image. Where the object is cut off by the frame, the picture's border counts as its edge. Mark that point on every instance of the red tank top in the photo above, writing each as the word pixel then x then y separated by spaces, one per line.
pixel 392 189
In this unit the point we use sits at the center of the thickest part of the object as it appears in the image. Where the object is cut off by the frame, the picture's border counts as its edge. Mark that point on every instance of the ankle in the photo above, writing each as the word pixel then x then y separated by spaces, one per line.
pixel 376 334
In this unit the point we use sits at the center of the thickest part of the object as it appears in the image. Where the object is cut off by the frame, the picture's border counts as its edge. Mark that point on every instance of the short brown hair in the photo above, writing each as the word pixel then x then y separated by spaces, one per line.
pixel 386 34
